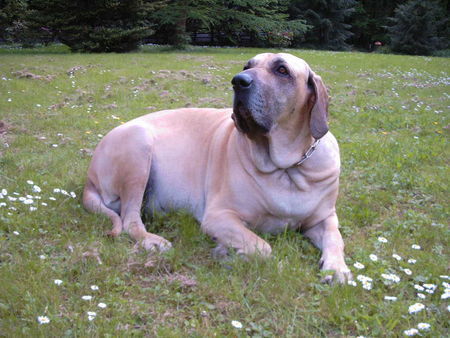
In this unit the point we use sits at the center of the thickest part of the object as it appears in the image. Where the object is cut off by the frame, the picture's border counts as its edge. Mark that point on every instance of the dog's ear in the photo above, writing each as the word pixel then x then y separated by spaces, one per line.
pixel 318 123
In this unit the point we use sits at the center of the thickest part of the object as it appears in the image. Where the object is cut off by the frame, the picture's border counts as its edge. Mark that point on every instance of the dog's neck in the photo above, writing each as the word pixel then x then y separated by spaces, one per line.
pixel 288 144
pixel 282 148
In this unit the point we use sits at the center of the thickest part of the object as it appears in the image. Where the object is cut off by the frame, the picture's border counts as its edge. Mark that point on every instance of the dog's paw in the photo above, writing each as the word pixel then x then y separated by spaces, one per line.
pixel 220 252
pixel 259 249
pixel 340 273
pixel 156 243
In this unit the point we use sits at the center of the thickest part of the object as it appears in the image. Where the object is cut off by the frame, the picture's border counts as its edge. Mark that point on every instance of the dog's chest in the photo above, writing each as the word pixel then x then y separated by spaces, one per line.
pixel 282 203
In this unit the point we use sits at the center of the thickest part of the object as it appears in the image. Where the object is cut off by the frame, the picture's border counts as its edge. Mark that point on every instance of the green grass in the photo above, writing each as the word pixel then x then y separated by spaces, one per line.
pixel 390 115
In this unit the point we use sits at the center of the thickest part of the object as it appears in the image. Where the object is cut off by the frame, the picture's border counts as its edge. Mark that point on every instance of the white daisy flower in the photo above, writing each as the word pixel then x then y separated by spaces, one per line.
pixel 56 190
pixel 101 305
pixel 391 298
pixel 52 198
pixel 16 233
pixel 430 288
pixel 359 266
pixel 411 332
pixel 28 201
pixel 12 199
pixel 397 257
pixel 416 247
pixel 73 194
pixel 91 315
pixel 416 308
pixel 444 277
pixel 86 297
pixel 33 208
pixel 30 182
pixel 424 326
pixel 382 239
pixel 373 257
pixel 4 192
pixel 446 285
pixel 390 276
pixel 407 271
pixel 94 287
pixel 367 285
pixel 412 261
pixel 55 145
pixel 58 281
pixel 36 188
pixel 43 320
pixel 446 294
pixel 421 295
pixel 363 279
pixel 42 257
pixel 418 287
pixel 236 324
pixel 44 204
pixel 352 283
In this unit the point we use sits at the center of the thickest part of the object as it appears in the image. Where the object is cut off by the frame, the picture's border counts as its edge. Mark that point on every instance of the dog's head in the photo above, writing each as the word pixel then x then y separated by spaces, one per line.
pixel 278 88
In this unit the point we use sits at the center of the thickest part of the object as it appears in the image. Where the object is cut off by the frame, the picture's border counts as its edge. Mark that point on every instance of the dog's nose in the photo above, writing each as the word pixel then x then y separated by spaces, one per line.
pixel 242 81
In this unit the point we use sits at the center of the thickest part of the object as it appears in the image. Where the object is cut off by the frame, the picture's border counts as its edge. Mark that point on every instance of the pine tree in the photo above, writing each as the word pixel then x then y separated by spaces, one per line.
pixel 418 28
pixel 328 19
pixel 14 24
pixel 94 25
pixel 263 20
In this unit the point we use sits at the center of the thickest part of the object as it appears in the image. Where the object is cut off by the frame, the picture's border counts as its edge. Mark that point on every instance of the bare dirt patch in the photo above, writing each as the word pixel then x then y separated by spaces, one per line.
pixel 24 74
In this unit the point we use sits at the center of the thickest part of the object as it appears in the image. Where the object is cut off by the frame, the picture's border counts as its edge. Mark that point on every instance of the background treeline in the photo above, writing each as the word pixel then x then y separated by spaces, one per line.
pixel 404 26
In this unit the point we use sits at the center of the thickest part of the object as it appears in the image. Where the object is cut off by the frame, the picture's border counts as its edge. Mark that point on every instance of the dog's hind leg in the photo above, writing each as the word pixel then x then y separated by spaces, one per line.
pixel 135 164
pixel 93 202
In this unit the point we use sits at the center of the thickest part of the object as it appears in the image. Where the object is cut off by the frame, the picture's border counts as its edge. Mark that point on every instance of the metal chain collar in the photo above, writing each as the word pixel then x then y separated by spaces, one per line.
pixel 308 153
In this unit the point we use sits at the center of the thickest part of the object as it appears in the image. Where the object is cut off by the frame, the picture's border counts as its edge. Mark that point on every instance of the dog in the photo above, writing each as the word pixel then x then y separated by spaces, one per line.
pixel 268 164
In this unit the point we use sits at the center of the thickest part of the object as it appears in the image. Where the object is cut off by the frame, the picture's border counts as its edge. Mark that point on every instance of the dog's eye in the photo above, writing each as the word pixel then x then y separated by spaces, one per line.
pixel 282 70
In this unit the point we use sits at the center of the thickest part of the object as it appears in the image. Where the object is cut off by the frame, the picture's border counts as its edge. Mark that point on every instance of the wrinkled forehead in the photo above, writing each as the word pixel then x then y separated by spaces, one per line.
pixel 294 63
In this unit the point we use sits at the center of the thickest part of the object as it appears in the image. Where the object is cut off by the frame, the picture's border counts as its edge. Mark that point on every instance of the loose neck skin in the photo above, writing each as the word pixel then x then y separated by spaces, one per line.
pixel 284 145
pixel 288 143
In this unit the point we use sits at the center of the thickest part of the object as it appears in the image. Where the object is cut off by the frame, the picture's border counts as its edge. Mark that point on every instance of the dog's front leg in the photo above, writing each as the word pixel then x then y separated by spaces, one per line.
pixel 228 230
pixel 326 237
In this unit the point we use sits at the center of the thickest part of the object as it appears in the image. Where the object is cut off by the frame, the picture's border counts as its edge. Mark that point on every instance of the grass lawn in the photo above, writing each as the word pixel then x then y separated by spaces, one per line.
pixel 390 115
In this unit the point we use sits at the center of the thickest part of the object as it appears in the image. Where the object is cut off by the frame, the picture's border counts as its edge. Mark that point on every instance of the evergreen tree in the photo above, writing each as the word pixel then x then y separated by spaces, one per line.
pixel 263 20
pixel 94 25
pixel 14 26
pixel 370 20
pixel 329 19
pixel 418 28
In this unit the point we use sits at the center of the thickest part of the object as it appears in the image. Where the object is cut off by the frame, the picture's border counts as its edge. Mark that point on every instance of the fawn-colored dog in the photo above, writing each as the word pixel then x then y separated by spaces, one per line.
pixel 259 166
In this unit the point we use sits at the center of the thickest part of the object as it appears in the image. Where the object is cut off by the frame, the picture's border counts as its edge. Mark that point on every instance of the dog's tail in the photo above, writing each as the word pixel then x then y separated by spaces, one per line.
pixel 93 202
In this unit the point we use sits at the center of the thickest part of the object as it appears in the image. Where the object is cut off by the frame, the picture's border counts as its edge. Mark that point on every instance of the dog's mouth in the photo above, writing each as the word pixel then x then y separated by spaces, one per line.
pixel 244 121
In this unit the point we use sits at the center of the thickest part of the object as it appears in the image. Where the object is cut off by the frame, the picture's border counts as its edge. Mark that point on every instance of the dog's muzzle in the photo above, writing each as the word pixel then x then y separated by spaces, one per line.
pixel 247 106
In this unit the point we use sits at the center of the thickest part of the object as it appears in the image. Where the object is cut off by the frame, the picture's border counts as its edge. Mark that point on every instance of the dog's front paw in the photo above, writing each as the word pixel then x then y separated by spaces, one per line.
pixel 156 243
pixel 341 274
pixel 220 252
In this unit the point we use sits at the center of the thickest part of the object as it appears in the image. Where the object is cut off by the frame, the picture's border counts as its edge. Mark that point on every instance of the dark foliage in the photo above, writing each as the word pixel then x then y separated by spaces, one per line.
pixel 93 25
pixel 328 19
pixel 413 27
pixel 419 27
